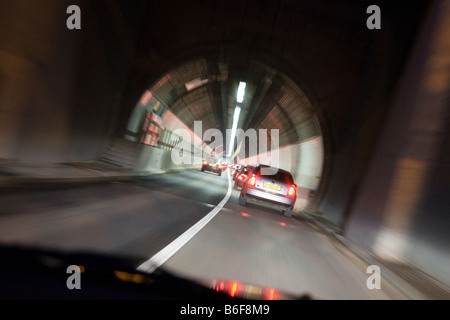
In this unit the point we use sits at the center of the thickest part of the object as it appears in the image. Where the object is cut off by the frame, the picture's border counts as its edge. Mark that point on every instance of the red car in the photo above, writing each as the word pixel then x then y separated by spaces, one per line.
pixel 242 176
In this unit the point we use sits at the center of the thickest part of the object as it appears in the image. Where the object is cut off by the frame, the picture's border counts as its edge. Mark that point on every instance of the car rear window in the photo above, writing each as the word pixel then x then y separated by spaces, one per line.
pixel 281 176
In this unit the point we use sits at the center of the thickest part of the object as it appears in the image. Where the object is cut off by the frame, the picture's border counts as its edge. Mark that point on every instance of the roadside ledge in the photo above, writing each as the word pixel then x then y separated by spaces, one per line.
pixel 412 282
pixel 14 174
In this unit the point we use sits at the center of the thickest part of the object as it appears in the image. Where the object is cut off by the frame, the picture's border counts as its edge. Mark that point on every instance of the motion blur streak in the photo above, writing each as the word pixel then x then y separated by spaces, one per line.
pixel 404 196
pixel 421 113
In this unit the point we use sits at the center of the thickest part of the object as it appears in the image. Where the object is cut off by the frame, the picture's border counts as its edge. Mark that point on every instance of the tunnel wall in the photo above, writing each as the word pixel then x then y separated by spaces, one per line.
pixel 60 88
pixel 401 207
pixel 154 159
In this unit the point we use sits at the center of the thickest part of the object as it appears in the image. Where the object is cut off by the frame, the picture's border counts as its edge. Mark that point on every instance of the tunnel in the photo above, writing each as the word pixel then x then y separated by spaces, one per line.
pixel 286 109
pixel 357 112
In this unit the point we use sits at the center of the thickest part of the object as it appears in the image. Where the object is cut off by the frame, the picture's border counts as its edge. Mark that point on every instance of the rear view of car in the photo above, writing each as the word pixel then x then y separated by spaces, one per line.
pixel 235 170
pixel 212 165
pixel 270 186
pixel 242 176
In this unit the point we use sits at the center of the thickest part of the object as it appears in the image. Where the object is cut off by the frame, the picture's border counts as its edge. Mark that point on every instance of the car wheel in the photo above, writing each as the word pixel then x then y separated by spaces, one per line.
pixel 242 200
pixel 203 169
pixel 220 173
pixel 288 212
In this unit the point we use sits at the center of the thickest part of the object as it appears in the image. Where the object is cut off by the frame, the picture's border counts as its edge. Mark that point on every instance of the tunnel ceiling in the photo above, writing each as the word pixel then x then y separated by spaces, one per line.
pixel 205 90
pixel 305 62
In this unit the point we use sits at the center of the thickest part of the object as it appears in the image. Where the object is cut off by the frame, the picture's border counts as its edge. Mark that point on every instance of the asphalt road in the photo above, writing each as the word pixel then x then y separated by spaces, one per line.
pixel 143 218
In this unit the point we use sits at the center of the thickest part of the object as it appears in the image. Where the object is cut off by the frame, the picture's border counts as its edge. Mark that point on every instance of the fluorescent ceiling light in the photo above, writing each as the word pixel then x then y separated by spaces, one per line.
pixel 237 112
pixel 197 82
pixel 241 92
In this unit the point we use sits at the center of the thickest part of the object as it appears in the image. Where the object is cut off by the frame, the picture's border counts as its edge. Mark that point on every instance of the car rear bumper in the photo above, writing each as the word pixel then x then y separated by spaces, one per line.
pixel 213 169
pixel 270 197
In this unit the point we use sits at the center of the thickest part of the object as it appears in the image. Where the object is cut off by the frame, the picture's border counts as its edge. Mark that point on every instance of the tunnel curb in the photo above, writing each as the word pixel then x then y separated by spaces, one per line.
pixel 413 291
pixel 14 175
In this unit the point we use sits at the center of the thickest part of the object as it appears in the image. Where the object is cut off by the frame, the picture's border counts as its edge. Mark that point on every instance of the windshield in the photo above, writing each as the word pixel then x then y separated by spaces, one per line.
pixel 109 111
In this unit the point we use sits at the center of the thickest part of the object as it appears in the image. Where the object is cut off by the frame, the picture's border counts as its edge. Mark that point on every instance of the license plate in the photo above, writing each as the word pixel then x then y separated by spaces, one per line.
pixel 212 165
pixel 271 186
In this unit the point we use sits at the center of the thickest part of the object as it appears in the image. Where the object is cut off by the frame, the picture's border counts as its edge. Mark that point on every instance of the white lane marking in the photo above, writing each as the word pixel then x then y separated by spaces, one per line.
pixel 162 256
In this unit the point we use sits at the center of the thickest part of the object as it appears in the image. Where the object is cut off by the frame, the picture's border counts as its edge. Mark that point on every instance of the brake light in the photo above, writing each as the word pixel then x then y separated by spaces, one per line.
pixel 271 294
pixel 204 162
pixel 234 289
pixel 220 167
pixel 291 191
pixel 242 177
pixel 252 180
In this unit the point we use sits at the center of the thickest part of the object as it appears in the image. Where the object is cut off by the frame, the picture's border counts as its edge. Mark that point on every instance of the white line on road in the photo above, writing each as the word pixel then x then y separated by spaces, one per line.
pixel 162 256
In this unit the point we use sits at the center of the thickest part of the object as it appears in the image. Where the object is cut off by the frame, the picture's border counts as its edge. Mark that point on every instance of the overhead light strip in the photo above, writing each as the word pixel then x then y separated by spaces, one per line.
pixel 241 92
pixel 237 112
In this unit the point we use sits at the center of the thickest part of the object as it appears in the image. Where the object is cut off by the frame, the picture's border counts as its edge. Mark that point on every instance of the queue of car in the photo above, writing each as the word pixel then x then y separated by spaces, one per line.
pixel 259 184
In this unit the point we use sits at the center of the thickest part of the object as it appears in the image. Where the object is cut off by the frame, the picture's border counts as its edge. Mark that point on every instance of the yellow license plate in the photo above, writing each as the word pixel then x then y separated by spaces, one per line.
pixel 272 186
pixel 212 165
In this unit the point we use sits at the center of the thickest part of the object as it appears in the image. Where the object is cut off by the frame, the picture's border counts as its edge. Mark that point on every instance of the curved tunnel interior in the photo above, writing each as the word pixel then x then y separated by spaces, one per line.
pixel 356 111
pixel 203 92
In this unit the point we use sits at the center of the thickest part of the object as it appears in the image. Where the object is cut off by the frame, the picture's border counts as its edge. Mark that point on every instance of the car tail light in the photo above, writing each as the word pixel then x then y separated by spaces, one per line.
pixel 252 180
pixel 291 191
pixel 220 167
pixel 271 294
pixel 242 177
pixel 234 289
pixel 204 162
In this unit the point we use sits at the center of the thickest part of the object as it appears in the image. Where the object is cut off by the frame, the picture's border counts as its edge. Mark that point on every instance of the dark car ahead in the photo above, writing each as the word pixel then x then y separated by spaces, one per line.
pixel 235 171
pixel 242 176
pixel 234 168
pixel 270 186
pixel 212 165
